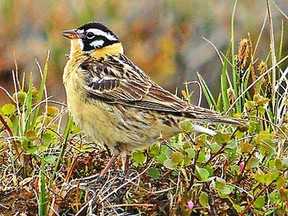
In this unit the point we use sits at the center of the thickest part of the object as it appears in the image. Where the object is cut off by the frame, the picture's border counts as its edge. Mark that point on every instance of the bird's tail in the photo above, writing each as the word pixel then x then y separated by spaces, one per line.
pixel 201 129
pixel 216 119
pixel 226 120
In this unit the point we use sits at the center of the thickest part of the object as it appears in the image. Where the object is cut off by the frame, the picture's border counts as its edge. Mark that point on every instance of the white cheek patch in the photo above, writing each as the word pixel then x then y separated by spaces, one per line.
pixel 97 43
pixel 104 34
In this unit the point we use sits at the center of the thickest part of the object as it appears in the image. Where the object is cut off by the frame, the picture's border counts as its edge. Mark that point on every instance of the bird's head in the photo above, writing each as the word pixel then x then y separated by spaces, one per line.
pixel 92 37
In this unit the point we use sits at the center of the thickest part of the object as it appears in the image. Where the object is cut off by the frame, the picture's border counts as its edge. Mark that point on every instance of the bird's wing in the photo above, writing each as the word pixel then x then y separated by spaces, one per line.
pixel 114 82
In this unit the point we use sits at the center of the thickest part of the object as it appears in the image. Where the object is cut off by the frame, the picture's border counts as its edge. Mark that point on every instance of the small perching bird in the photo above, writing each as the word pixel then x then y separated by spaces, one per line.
pixel 115 102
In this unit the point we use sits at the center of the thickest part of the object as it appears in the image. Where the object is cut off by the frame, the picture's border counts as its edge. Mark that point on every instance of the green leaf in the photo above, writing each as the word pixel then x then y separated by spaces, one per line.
pixel 203 199
pixel 250 105
pixel 273 196
pixel 210 169
pixel 52 110
pixel 235 168
pixel 187 161
pixel 260 100
pixel 273 175
pixel 43 203
pixel 280 182
pixel 31 135
pixel 215 147
pixel 202 173
pixel 166 150
pixel 224 86
pixel 138 157
pixel 252 163
pixel 154 150
pixel 63 148
pixel 222 186
pixel 50 159
pixel 267 178
pixel 259 202
pixel 21 96
pixel 278 164
pixel 177 157
pixel 161 158
pixel 231 145
pixel 46 139
pixel 202 156
pixel 186 125
pixel 169 164
pixel 32 149
pixel 41 90
pixel 8 109
pixel 75 129
pixel 154 173
pixel 206 91
pixel 220 183
pixel 246 147
pixel 264 136
pixel 165 153
pixel 190 152
pixel 261 110
pixel 222 137
pixel 260 177
pixel 238 208
pixel 28 103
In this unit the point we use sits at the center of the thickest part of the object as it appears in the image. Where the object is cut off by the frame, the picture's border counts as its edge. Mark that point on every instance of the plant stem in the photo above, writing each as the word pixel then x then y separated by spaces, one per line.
pixel 64 145
pixel 9 131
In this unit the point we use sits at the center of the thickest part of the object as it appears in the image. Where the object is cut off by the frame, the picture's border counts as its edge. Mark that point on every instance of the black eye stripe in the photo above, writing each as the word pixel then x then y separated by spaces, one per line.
pixel 90 35
pixel 89 41
pixel 96 36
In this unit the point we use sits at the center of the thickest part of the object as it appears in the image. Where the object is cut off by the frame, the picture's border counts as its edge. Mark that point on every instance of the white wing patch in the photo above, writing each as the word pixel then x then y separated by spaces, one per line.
pixel 104 84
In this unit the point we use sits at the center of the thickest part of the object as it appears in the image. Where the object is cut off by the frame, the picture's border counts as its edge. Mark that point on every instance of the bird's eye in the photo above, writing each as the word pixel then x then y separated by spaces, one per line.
pixel 90 35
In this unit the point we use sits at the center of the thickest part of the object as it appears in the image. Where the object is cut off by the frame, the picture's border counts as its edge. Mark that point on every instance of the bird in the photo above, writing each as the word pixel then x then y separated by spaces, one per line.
pixel 116 103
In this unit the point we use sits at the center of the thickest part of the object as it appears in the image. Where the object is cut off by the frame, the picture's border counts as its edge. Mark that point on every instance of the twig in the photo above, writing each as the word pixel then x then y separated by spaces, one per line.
pixel 9 131
pixel 282 12
pixel 131 204
pixel 257 195
pixel 130 180
pixel 211 200
pixel 215 154
pixel 7 93
pixel 200 90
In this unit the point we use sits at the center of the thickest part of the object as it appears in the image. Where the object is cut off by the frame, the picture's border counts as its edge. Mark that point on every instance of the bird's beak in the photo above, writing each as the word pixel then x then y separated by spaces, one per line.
pixel 73 34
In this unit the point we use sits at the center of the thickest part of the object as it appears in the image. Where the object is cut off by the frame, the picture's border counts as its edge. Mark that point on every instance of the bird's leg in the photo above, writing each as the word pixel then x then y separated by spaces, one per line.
pixel 126 165
pixel 107 149
pixel 109 164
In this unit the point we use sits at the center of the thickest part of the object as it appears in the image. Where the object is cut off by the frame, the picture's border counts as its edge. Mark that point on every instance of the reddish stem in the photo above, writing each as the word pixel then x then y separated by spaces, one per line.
pixel 261 192
pixel 9 131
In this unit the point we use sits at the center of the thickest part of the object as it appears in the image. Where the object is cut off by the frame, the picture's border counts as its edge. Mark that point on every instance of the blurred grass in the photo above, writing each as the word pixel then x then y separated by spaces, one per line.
pixel 162 37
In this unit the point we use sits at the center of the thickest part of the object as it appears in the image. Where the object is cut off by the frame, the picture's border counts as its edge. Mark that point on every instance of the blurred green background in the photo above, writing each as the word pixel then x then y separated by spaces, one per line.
pixel 164 38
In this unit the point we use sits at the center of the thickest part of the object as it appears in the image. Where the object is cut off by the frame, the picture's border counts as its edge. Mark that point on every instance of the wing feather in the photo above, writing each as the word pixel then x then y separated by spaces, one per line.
pixel 121 82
